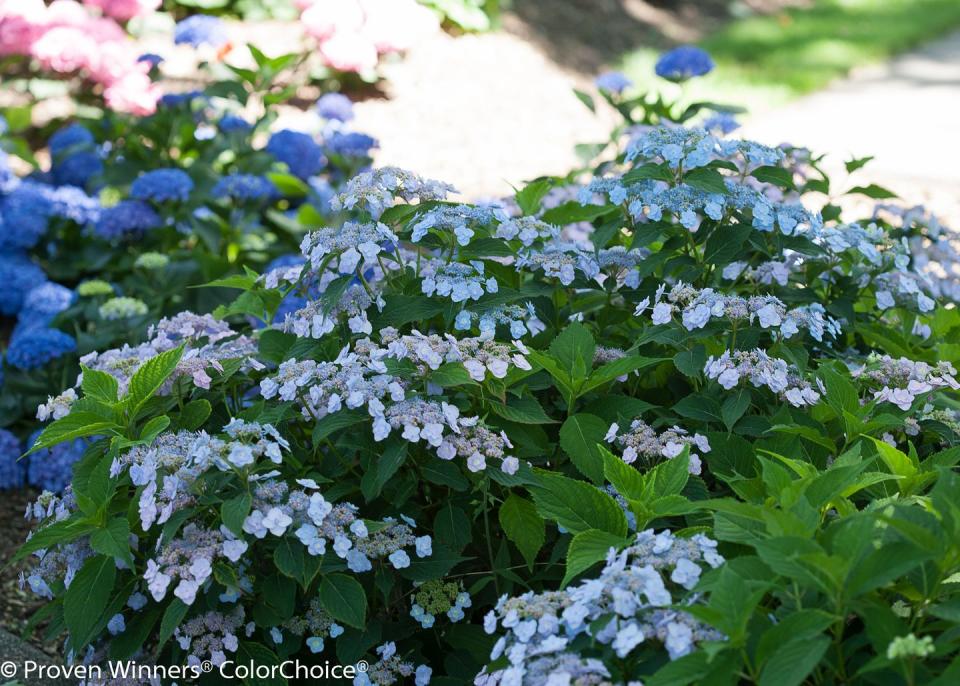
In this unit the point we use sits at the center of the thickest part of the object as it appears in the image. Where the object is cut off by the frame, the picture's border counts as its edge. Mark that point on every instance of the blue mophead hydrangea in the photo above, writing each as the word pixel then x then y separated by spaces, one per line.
pixel 128 218
pixel 243 187
pixel 335 107
pixel 162 185
pixel 24 216
pixel 12 469
pixel 299 151
pixel 683 62
pixel 19 275
pixel 51 469
pixel 200 29
pixel 34 346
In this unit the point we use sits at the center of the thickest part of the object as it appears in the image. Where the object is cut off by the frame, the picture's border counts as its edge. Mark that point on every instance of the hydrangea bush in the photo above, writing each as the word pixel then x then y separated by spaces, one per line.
pixel 671 425
pixel 134 214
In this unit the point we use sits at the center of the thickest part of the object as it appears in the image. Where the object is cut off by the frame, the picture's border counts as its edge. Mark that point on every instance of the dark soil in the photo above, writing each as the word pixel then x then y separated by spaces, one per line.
pixel 18 605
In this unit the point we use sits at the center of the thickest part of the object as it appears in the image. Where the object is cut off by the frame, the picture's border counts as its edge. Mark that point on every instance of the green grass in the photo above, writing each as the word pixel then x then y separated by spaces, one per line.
pixel 766 60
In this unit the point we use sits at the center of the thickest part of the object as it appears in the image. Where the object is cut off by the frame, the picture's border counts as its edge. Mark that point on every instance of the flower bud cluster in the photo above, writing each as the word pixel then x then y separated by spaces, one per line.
pixel 641 441
pixel 760 370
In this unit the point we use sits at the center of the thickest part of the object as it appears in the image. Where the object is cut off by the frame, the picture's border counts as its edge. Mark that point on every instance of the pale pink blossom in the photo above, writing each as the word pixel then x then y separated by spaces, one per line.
pixel 124 10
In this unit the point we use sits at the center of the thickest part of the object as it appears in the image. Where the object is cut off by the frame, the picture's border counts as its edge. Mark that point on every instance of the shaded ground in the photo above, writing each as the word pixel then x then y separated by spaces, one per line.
pixel 16 604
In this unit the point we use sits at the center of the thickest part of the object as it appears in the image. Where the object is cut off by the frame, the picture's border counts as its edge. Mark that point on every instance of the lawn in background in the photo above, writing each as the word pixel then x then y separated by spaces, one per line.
pixel 765 60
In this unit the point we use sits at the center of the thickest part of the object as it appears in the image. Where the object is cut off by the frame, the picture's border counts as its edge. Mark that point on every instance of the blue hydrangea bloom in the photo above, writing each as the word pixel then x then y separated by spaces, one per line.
pixel 70 202
pixel 35 346
pixel 613 82
pixel 231 122
pixel 683 62
pixel 335 107
pixel 350 144
pixel 200 29
pixel 12 472
pixel 162 185
pixel 51 469
pixel 298 151
pixel 721 123
pixel 70 136
pixel 126 218
pixel 42 303
pixel 7 178
pixel 176 99
pixel 25 213
pixel 244 187
pixel 77 169
pixel 150 58
pixel 18 275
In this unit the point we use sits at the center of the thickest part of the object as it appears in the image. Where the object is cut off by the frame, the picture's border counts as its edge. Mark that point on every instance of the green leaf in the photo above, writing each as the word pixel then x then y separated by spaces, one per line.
pixel 86 598
pixel 725 245
pixel 451 374
pixel 434 566
pixel 99 385
pixel 233 512
pixel 627 481
pixel 293 560
pixel 444 474
pixel 344 599
pixel 523 526
pixel 670 476
pixel 618 368
pixel 841 394
pixel 573 350
pixel 194 414
pixel 114 540
pixel 153 428
pixel 734 407
pixel 897 462
pixel 778 176
pixel 382 468
pixel 403 309
pixel 576 505
pixel 580 437
pixel 690 362
pixel 289 185
pixel 699 407
pixel 706 179
pixel 335 421
pixel 172 618
pixel 77 424
pixel 654 172
pixel 872 191
pixel 793 661
pixel 148 379
pixel 588 548
pixel 573 212
pixel 529 198
pixel 522 411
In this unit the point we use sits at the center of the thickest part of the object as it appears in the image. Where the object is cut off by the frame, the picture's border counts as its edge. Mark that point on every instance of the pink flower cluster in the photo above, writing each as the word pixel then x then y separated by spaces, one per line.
pixel 124 10
pixel 66 38
pixel 352 34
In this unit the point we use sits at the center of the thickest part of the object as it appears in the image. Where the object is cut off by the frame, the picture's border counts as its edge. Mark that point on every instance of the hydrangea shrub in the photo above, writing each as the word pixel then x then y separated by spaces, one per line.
pixel 672 425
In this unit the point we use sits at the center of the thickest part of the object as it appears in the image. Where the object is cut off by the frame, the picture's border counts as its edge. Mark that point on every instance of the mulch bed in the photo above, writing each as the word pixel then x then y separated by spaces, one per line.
pixel 18 605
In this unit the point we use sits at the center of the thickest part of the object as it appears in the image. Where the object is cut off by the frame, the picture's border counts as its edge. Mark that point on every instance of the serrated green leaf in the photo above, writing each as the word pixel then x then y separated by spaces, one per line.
pixel 523 526
pixel 344 599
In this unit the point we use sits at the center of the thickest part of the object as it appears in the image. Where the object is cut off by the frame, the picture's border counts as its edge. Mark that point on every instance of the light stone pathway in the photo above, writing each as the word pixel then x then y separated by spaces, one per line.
pixel 906 113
